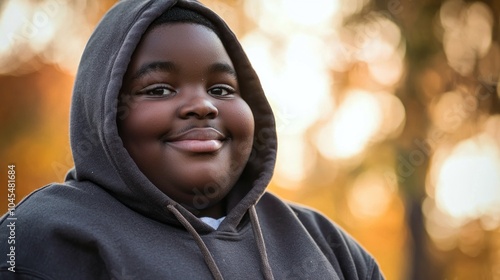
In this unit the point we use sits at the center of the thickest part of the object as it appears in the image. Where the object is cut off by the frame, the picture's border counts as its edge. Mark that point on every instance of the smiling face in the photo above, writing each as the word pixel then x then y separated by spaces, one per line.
pixel 186 126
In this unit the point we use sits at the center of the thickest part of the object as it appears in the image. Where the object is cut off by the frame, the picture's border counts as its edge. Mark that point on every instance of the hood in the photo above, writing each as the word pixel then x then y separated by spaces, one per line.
pixel 98 151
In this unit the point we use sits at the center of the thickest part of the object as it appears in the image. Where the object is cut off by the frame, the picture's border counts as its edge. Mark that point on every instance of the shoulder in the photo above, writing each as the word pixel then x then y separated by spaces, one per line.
pixel 56 223
pixel 344 251
pixel 69 208
pixel 57 201
pixel 309 217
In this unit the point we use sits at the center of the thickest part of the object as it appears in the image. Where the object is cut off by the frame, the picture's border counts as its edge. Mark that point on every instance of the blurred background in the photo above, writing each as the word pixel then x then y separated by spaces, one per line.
pixel 388 115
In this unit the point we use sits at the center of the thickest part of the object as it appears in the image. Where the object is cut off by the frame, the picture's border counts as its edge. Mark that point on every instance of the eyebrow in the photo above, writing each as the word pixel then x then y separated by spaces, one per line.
pixel 222 68
pixel 165 66
pixel 168 66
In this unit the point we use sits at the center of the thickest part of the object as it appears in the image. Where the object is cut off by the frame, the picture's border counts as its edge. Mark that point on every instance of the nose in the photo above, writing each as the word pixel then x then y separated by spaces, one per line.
pixel 198 104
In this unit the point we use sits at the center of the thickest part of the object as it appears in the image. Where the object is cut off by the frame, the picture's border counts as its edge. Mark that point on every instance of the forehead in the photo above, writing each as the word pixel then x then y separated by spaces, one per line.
pixel 180 41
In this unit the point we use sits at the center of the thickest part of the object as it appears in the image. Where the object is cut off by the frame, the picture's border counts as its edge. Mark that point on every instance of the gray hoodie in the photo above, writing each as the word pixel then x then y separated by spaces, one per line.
pixel 108 221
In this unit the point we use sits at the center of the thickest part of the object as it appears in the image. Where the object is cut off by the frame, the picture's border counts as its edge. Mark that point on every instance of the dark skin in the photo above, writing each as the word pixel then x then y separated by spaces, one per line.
pixel 187 127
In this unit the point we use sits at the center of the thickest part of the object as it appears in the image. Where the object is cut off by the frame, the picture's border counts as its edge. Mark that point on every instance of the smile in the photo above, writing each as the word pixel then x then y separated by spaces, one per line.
pixel 198 140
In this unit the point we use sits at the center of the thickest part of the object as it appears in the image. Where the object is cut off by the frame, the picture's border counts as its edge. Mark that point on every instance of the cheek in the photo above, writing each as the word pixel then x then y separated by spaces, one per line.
pixel 241 119
pixel 143 121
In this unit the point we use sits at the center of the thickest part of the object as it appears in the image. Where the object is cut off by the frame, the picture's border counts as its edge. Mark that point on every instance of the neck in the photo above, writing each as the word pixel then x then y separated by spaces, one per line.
pixel 215 211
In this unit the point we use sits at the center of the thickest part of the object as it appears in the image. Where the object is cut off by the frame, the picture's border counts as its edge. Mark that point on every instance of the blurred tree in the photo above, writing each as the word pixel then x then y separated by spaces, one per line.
pixel 418 21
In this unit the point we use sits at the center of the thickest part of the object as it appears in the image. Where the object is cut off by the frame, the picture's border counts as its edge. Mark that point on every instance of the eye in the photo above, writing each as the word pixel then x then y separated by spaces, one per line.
pixel 221 90
pixel 157 90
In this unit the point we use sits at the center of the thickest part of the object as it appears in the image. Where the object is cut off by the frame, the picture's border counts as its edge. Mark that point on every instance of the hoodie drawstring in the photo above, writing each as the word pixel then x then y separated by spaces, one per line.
pixel 268 273
pixel 207 256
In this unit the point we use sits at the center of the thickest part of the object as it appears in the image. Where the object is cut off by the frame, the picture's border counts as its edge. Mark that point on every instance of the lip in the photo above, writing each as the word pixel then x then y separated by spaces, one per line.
pixel 198 140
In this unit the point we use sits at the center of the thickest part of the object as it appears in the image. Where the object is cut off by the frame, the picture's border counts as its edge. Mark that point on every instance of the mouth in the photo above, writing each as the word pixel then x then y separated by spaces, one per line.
pixel 198 140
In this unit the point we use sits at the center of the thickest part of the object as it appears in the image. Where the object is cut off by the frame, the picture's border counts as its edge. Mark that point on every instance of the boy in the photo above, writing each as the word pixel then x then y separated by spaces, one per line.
pixel 174 144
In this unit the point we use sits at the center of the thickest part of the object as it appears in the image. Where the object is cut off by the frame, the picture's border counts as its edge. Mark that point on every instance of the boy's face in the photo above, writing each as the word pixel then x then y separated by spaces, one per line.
pixel 187 127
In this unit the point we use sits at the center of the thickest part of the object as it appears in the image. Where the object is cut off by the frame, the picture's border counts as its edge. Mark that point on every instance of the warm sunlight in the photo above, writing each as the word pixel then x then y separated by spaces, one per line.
pixel 297 84
pixel 370 195
pixel 355 122
pixel 314 13
pixel 9 22
pixel 468 181
pixel 40 30
pixel 291 13
pixel 11 25
pixel 295 81
pixel 294 162
pixel 467 33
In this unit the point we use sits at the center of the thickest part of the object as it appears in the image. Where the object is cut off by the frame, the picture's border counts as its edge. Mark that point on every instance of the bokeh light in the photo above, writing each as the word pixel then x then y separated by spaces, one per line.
pixel 468 31
pixel 361 118
pixel 452 109
pixel 316 11
pixel 467 182
pixel 370 195
pixel 33 33
pixel 294 162
pixel 355 122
